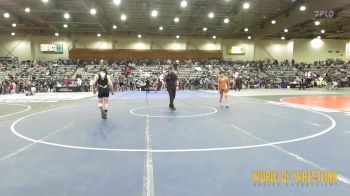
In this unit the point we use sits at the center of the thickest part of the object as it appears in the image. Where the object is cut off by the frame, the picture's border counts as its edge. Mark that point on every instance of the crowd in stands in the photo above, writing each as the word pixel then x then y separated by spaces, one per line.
pixel 48 76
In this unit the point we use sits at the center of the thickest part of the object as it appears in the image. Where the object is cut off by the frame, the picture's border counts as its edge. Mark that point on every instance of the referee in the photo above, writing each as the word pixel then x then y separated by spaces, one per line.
pixel 171 83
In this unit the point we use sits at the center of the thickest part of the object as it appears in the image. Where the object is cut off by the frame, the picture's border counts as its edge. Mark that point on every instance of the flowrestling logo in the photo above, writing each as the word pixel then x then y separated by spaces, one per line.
pixel 324 14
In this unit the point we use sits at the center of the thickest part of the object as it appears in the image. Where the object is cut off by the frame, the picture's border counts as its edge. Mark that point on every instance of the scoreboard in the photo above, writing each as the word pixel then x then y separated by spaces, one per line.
pixel 51 48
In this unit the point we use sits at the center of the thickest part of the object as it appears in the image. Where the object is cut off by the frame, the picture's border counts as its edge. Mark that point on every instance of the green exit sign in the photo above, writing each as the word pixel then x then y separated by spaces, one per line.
pixel 59 48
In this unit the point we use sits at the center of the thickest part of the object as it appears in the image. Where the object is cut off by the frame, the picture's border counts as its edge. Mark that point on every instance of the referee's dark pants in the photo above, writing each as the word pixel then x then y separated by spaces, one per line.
pixel 147 88
pixel 172 94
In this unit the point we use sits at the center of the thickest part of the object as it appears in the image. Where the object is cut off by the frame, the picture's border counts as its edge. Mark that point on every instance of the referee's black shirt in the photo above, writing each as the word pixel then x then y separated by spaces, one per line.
pixel 170 80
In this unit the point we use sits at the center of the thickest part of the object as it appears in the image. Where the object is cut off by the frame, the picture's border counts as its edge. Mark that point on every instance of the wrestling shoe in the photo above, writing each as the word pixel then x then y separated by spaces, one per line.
pixel 105 114
pixel 102 112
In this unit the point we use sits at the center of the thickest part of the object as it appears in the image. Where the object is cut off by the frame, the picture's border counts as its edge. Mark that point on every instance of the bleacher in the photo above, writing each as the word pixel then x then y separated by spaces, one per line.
pixel 251 73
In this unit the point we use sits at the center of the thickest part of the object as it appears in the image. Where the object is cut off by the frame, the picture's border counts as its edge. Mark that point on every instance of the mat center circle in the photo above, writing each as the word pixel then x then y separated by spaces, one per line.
pixel 165 112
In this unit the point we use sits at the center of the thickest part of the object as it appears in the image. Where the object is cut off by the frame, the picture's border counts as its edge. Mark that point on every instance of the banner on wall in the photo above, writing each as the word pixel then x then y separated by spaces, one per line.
pixel 348 47
pixel 51 48
pixel 236 50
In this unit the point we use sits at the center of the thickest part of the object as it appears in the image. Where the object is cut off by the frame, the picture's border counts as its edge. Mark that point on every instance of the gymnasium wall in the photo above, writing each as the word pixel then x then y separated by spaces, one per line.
pixel 248 46
pixel 132 43
pixel 290 50
pixel 92 42
pixel 15 46
pixel 144 43
pixel 347 54
pixel 273 49
pixel 319 49
pixel 144 54
pixel 27 46
pixel 163 43
pixel 203 44
pixel 67 45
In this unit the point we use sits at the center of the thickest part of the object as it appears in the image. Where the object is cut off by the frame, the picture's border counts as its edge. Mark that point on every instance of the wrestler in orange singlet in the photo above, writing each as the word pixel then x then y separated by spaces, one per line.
pixel 224 86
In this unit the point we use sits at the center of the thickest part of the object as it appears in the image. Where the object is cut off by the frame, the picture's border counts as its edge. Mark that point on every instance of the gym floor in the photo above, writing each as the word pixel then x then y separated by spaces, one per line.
pixel 63 147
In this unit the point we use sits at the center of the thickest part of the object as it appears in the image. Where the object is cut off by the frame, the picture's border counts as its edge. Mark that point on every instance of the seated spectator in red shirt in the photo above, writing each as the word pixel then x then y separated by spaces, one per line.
pixel 66 82
pixel 127 70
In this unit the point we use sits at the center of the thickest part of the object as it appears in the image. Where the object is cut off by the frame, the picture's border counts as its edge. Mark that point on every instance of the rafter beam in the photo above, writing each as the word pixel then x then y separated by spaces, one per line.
pixel 297 17
pixel 17 10
pixel 96 18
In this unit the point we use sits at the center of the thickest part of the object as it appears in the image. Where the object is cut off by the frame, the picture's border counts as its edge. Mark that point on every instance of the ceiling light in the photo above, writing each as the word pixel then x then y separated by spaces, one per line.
pixel 205 29
pixel 246 29
pixel 318 37
pixel 65 26
pixel 114 27
pixel 183 3
pixel 214 37
pixel 117 2
pixel 154 13
pixel 285 30
pixel 66 16
pixel 161 28
pixel 13 33
pixel 302 8
pixel 246 5
pixel 317 22
pixel 178 37
pixel 283 38
pixel 211 15
pixel 176 19
pixel 226 20
pixel 45 1
pixel 123 17
pixel 139 35
pixel 98 34
pixel 273 22
pixel 14 25
pixel 93 11
pixel 316 43
pixel 27 10
pixel 57 34
pixel 249 37
pixel 323 31
pixel 6 15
